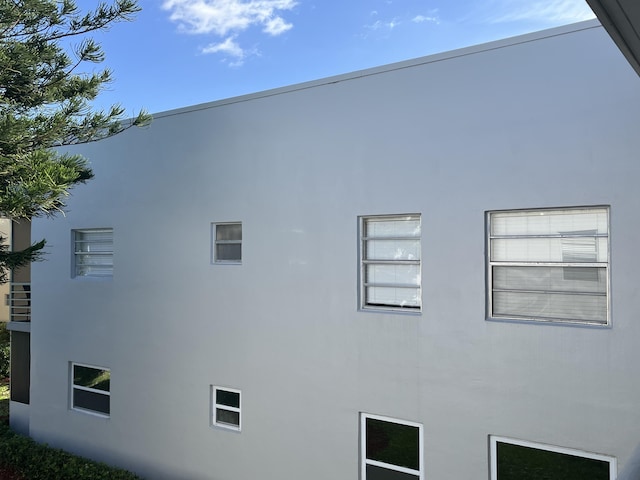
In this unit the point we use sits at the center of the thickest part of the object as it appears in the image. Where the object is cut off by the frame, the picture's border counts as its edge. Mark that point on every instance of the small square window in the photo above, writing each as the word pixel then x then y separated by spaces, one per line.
pixel 390 268
pixel 391 449
pixel 90 389
pixel 227 242
pixel 549 265
pixel 225 408
pixel 93 252
pixel 523 460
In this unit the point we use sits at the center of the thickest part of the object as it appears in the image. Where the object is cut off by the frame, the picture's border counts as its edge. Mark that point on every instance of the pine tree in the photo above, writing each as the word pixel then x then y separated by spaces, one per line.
pixel 45 102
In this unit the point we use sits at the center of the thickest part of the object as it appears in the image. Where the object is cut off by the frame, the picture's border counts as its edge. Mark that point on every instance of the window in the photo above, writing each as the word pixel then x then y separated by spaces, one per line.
pixel 93 252
pixel 390 449
pixel 90 389
pixel 225 409
pixel 549 265
pixel 227 242
pixel 390 262
pixel 521 460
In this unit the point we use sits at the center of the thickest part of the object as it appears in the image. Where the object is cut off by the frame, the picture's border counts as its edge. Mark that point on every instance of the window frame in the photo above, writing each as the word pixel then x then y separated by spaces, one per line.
pixel 74 387
pixel 364 461
pixel 493 454
pixel 215 242
pixel 215 406
pixel 77 253
pixel 605 265
pixel 363 261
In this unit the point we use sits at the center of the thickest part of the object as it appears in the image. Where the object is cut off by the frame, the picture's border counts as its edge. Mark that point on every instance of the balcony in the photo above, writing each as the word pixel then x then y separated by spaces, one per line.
pixel 20 302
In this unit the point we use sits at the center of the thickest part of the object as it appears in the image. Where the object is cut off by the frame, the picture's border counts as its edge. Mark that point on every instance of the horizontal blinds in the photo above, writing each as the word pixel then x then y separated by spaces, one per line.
pixel 391 261
pixel 550 264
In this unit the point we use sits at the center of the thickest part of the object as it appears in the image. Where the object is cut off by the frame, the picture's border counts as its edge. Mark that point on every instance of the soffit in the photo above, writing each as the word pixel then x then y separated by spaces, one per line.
pixel 621 19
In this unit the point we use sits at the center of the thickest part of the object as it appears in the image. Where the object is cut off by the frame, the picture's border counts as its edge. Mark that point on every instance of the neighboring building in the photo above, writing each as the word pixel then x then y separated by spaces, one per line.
pixel 423 270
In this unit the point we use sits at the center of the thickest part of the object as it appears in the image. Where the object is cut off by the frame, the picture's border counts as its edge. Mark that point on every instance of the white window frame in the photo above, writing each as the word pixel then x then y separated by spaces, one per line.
pixel 493 453
pixel 364 461
pixel 215 242
pixel 77 253
pixel 364 261
pixel 215 406
pixel 491 315
pixel 89 389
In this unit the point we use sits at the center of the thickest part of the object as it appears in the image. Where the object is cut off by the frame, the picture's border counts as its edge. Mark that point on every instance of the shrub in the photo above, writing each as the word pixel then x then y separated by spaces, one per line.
pixel 39 462
pixel 4 351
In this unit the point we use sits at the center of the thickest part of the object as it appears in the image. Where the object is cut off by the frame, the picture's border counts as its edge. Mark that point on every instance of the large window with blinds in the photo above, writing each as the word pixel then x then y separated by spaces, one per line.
pixel 93 252
pixel 549 265
pixel 390 262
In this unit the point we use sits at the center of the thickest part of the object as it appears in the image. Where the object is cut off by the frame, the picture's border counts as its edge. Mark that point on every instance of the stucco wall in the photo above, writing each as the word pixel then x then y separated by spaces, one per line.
pixel 545 120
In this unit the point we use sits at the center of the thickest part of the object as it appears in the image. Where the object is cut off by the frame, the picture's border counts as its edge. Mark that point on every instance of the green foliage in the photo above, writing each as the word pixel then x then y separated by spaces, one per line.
pixel 39 462
pixel 5 349
pixel 45 102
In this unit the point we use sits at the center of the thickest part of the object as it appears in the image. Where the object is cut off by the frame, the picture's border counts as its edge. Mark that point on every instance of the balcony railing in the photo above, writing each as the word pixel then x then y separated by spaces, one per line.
pixel 20 302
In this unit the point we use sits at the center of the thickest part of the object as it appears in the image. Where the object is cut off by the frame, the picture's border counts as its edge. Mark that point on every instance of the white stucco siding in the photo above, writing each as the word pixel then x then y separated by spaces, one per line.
pixel 517 124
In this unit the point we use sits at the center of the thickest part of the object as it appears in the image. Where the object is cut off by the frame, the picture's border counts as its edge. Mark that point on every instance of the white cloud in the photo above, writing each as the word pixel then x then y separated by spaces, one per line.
pixel 228 18
pixel 425 18
pixel 224 16
pixel 554 11
pixel 379 24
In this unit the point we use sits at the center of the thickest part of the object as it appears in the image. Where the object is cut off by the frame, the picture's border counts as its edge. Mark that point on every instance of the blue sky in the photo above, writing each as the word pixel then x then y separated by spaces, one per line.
pixel 184 52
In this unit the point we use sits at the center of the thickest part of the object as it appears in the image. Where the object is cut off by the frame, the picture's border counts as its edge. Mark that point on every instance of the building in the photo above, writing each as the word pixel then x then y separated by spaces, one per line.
pixel 438 254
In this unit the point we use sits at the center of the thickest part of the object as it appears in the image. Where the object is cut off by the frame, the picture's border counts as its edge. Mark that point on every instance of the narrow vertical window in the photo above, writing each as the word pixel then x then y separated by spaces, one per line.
pixel 549 265
pixel 93 252
pixel 522 460
pixel 91 389
pixel 227 242
pixel 225 408
pixel 390 267
pixel 390 449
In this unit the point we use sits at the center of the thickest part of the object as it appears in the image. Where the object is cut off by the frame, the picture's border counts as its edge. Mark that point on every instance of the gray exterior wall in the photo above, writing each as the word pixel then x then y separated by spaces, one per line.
pixel 544 120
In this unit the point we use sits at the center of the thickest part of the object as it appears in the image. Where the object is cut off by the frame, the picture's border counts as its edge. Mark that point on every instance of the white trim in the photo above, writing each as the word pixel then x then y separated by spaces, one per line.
pixel 493 454
pixel 363 447
pixel 363 262
pixel 214 407
pixel 76 253
pixel 214 242
pixel 489 264
pixel 74 387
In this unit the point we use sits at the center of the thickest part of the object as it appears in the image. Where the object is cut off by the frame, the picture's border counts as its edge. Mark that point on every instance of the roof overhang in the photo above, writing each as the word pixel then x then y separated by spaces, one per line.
pixel 621 19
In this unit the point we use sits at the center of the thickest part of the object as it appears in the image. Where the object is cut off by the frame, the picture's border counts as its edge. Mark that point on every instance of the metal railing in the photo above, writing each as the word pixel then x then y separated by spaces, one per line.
pixel 20 302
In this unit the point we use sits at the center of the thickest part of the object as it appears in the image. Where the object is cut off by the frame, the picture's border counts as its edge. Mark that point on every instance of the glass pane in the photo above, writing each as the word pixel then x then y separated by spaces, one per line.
pixel 231 252
pixel 525 463
pixel 91 377
pixel 96 402
pixel 393 297
pixel 574 250
pixel 94 241
pixel 392 250
pixel 549 222
pixel 551 306
pixel 551 279
pixel 96 271
pixel 230 399
pixel 228 417
pixel 93 259
pixel 231 231
pixel 393 274
pixel 393 443
pixel 397 227
pixel 380 473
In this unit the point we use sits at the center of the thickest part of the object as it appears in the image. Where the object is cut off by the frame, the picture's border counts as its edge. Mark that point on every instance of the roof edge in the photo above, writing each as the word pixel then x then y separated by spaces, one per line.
pixel 438 57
